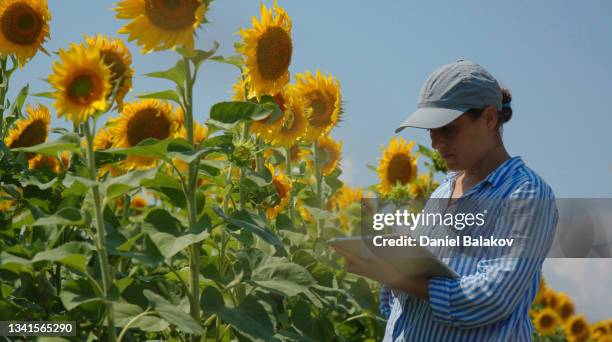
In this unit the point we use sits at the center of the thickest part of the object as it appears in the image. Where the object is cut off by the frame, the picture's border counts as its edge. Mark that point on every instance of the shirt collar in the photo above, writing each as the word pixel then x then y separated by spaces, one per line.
pixel 496 176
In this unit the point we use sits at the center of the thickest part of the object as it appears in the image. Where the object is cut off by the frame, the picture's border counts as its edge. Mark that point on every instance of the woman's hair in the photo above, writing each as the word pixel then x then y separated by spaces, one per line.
pixel 504 115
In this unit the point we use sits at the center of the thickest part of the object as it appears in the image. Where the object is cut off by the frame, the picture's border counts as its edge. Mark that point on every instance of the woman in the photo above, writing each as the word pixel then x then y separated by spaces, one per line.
pixel 464 108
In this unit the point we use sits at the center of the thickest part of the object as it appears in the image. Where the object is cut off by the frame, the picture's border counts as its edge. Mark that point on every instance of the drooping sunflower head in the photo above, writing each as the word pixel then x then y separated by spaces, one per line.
pixel 31 131
pixel 546 321
pixel 118 59
pixel 161 24
pixel 24 28
pixel 577 328
pixel 397 165
pixel 102 140
pixel 283 186
pixel 42 161
pixel 81 81
pixel 293 124
pixel 143 120
pixel 268 48
pixel 323 98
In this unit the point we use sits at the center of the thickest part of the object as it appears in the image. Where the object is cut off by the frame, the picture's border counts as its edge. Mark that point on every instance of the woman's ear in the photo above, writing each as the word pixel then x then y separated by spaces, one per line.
pixel 490 116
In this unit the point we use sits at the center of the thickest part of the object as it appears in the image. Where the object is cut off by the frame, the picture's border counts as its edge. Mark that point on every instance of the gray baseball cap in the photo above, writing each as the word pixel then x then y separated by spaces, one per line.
pixel 450 91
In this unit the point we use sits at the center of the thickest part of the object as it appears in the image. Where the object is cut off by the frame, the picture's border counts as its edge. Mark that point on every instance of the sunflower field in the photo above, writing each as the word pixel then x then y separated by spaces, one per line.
pixel 145 221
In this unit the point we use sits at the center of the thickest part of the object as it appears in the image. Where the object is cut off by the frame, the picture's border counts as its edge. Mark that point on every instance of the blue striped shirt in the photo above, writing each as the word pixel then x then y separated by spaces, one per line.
pixel 490 300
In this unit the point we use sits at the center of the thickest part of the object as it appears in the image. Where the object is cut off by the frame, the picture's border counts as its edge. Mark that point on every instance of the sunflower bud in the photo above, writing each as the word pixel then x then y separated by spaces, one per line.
pixel 244 153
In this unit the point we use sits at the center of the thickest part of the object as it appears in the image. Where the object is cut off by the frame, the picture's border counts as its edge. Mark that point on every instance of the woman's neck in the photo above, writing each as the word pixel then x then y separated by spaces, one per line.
pixel 481 169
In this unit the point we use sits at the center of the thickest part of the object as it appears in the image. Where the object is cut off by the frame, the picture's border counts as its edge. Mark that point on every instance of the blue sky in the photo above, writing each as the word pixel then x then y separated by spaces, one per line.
pixel 553 55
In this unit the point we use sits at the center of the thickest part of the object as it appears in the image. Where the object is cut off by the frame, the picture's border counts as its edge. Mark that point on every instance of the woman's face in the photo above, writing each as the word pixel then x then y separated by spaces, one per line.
pixel 465 141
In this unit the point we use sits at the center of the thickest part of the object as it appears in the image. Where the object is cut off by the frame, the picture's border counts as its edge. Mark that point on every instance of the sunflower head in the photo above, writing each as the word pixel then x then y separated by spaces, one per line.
pixel 397 165
pixel 577 328
pixel 322 97
pixel 330 152
pixel 102 140
pixel 267 48
pixel 32 130
pixel 81 81
pixel 240 89
pixel 118 59
pixel 42 161
pixel 24 28
pixel 283 186
pixel 546 321
pixel 565 307
pixel 6 202
pixel 140 121
pixel 268 127
pixel 600 329
pixel 161 24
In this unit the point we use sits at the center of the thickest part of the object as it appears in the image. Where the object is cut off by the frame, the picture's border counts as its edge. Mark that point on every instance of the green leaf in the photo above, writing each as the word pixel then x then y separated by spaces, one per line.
pixel 175 74
pixel 171 313
pixel 168 234
pixel 68 142
pixel 65 216
pixel 125 312
pixel 235 60
pixel 250 319
pixel 169 94
pixel 47 95
pixel 14 263
pixel 282 276
pixel 227 114
pixel 198 56
pixel 19 100
pixel 77 292
pixel 248 221
pixel 115 187
pixel 72 254
pixel 259 179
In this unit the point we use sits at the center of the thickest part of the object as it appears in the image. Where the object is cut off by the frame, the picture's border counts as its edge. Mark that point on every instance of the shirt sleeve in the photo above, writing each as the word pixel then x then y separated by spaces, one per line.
pixel 492 293
pixel 385 301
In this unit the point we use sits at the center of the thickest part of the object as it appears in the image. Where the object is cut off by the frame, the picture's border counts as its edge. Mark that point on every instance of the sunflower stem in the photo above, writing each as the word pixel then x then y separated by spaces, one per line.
pixel 319 185
pixel 100 234
pixel 192 177
pixel 288 161
pixel 3 91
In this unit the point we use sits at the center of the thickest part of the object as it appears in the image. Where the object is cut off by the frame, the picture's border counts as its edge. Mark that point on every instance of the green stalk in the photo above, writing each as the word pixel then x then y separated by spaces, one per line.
pixel 3 92
pixel 192 177
pixel 319 183
pixel 291 204
pixel 100 238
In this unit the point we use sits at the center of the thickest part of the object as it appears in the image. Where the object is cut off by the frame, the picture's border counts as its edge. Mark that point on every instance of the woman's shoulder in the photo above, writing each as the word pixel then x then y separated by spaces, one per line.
pixel 523 181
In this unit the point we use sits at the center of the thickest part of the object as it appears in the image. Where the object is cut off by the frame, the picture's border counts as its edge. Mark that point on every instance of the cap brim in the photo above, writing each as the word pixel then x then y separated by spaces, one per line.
pixel 431 117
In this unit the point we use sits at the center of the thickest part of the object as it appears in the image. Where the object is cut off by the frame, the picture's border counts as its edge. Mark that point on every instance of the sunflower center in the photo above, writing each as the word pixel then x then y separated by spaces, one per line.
pixel 274 50
pixel 174 15
pixel 399 169
pixel 321 110
pixel 35 133
pixel 82 88
pixel 577 328
pixel 546 321
pixel 115 64
pixel 147 123
pixel 21 24
pixel 280 189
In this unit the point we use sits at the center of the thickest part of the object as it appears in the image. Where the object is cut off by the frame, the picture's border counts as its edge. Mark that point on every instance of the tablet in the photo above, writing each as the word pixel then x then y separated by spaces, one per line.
pixel 410 261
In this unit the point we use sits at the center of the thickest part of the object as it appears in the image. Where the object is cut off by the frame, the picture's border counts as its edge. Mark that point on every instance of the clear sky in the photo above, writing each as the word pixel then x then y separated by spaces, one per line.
pixel 553 55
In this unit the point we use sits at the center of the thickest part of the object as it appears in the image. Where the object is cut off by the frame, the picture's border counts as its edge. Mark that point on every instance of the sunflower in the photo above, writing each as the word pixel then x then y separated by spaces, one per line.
pixel 304 213
pixel 322 96
pixel 31 131
pixel 24 28
pixel 422 186
pixel 161 24
pixel 82 83
pixel 241 89
pixel 565 308
pixel 600 329
pixel 41 161
pixel 267 48
pixel 138 204
pixel 6 202
pixel 139 121
pixel 546 322
pixel 283 185
pixel 398 165
pixel 292 125
pixel 330 152
pixel 267 128
pixel 577 328
pixel 102 140
pixel 341 200
pixel 551 300
pixel 118 59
